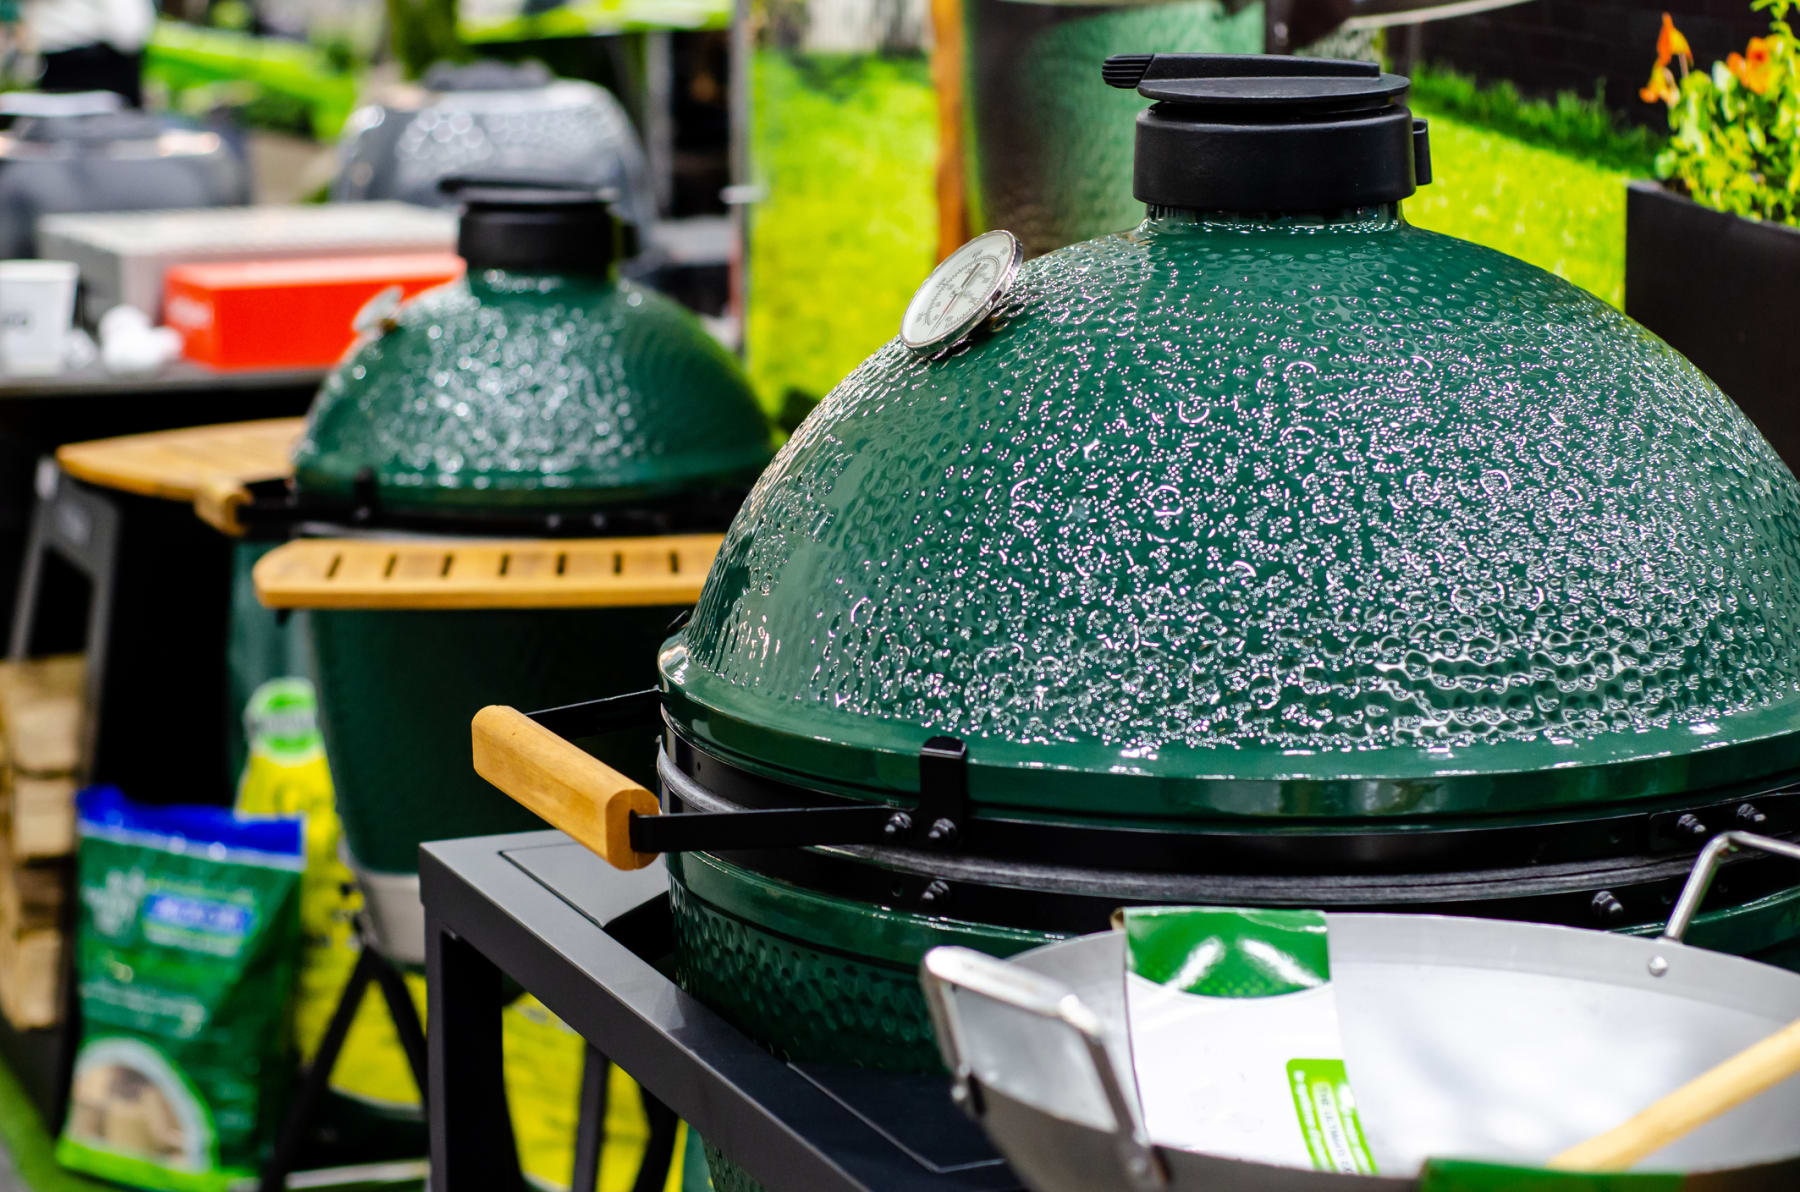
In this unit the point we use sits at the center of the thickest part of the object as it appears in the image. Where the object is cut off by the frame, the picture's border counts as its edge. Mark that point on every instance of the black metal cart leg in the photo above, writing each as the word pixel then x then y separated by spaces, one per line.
pixel 318 1075
pixel 81 526
pixel 659 1150
pixel 590 1121
pixel 405 1015
pixel 472 1148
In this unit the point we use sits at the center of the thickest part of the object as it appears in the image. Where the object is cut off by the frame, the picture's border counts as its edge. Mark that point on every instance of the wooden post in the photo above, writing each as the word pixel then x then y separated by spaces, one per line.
pixel 947 78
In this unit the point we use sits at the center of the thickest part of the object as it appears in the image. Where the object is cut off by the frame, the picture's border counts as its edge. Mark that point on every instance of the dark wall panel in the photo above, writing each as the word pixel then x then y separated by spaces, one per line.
pixel 1547 46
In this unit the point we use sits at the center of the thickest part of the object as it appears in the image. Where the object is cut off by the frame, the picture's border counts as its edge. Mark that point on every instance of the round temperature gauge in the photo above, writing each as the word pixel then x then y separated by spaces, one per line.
pixel 961 292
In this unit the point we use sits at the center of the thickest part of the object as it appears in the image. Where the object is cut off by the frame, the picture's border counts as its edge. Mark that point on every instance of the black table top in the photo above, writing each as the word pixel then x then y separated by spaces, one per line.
pixel 591 943
pixel 178 376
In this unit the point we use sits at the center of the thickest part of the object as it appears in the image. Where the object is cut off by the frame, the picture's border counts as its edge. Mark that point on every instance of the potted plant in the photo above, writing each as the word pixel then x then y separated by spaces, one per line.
pixel 1712 250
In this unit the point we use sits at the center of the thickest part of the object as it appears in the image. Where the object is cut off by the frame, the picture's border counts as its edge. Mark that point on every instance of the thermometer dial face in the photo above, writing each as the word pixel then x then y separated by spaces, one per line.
pixel 380 314
pixel 961 292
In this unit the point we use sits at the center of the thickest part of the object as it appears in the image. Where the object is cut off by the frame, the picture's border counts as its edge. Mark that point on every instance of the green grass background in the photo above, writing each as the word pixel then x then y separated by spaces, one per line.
pixel 847 148
pixel 1558 210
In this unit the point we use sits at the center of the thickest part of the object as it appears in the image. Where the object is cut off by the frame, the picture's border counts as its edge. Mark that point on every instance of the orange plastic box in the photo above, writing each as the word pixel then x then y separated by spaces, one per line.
pixel 286 314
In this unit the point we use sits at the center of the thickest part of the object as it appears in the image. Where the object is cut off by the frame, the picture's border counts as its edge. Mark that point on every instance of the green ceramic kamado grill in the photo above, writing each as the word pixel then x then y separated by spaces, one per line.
pixel 511 481
pixel 1272 552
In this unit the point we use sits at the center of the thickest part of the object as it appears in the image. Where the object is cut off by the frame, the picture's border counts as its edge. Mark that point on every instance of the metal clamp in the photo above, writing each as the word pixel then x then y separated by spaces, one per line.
pixel 1706 867
pixel 945 971
pixel 943 791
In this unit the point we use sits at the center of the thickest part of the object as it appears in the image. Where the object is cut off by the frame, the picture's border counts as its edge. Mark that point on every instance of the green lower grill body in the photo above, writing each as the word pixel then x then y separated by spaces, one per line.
pixel 397 690
pixel 817 978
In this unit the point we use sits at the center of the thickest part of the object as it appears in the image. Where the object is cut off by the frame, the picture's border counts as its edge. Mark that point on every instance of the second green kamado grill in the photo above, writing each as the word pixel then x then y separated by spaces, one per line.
pixel 513 483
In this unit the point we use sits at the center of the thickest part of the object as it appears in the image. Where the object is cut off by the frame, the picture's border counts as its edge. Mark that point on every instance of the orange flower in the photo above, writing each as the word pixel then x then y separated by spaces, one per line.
pixel 1671 44
pixel 1660 87
pixel 1753 67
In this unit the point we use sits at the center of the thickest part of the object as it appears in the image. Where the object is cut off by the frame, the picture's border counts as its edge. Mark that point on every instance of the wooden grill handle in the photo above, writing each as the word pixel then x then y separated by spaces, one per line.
pixel 1752 1071
pixel 217 501
pixel 570 788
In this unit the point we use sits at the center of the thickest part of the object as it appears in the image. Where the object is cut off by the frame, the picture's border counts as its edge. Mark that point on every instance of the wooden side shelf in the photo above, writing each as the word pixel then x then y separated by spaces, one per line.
pixel 205 465
pixel 461 573
pixel 177 465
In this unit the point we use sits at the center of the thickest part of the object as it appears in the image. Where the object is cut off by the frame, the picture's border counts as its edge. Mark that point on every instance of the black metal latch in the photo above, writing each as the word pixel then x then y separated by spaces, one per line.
pixel 943 794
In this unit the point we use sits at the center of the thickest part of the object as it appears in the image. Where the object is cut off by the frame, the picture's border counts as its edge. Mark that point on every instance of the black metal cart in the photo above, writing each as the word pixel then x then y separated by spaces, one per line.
pixel 588 942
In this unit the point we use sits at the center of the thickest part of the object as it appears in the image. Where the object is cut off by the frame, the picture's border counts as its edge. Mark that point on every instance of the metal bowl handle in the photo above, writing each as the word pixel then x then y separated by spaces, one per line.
pixel 945 971
pixel 1706 867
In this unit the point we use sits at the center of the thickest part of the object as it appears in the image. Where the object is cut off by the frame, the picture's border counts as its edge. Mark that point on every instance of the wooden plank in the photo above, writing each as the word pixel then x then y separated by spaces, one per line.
pixel 355 568
pixel 421 565
pixel 40 713
pixel 947 51
pixel 354 573
pixel 39 815
pixel 31 895
pixel 534 565
pixel 476 568
pixel 640 561
pixel 181 465
pixel 590 565
pixel 31 901
pixel 693 562
pixel 30 964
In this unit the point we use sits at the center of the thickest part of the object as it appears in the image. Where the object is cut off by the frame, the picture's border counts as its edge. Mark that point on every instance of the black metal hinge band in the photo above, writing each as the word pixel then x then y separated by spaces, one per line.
pixel 935 823
pixel 590 718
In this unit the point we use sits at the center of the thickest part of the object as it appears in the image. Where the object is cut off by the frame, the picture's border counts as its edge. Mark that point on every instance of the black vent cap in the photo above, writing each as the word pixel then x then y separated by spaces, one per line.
pixel 485 74
pixel 95 129
pixel 1264 132
pixel 535 224
pixel 1134 72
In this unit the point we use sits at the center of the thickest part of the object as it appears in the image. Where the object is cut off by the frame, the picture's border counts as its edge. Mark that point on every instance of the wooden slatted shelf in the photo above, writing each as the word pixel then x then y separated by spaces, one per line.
pixel 420 573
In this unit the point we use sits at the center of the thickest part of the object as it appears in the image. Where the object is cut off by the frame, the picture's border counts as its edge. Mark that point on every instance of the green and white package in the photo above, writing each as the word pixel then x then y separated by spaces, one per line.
pixel 185 955
pixel 1235 1038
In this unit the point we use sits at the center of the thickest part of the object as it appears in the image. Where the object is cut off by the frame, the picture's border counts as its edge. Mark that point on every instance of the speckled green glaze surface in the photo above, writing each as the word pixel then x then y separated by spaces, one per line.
pixel 1287 519
pixel 508 389
pixel 813 977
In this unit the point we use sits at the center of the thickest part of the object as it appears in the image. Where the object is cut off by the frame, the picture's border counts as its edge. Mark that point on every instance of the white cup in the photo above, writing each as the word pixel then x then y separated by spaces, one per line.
pixel 37 308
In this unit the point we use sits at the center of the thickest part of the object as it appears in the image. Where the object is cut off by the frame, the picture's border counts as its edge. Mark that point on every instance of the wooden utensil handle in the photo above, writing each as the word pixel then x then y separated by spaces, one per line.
pixel 572 789
pixel 1754 1070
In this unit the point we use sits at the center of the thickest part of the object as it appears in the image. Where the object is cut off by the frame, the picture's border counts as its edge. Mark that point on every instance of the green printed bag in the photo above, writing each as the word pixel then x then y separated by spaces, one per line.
pixel 1235 1037
pixel 185 955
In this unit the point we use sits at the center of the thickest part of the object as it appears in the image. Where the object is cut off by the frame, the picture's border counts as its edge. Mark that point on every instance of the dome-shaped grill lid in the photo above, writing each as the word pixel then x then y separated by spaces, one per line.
pixel 539 382
pixel 1312 518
